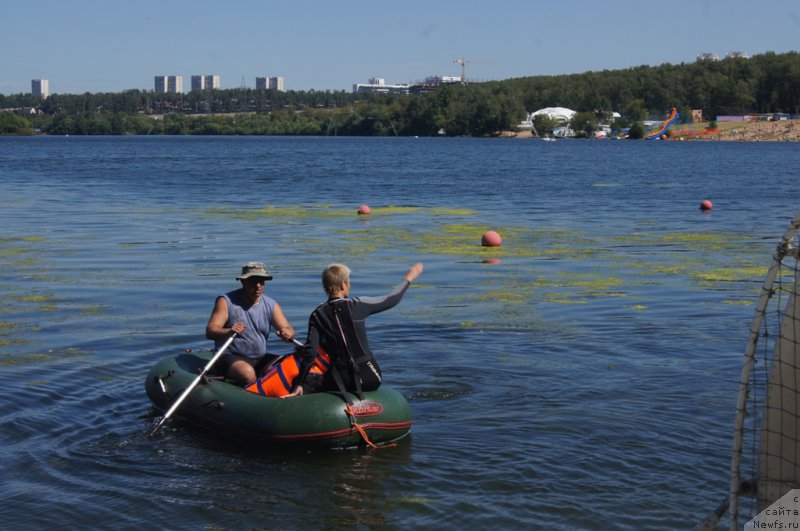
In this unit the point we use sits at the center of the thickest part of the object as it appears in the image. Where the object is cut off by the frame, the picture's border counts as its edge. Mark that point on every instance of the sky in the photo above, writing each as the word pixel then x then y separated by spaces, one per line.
pixel 115 45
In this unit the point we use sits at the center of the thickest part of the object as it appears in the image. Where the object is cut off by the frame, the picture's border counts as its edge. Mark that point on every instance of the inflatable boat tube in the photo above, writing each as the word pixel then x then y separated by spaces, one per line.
pixel 318 419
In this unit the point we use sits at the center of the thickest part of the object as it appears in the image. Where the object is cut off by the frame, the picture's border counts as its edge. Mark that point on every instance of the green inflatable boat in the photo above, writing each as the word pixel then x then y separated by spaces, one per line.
pixel 319 419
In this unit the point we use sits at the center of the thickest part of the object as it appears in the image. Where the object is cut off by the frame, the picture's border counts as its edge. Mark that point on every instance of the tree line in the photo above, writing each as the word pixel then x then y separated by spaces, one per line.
pixel 765 83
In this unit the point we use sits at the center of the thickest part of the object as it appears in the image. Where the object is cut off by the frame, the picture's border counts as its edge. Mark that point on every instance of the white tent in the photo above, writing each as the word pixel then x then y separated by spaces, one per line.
pixel 562 114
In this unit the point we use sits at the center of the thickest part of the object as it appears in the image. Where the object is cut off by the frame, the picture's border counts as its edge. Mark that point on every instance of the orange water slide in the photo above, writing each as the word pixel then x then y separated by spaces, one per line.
pixel 672 116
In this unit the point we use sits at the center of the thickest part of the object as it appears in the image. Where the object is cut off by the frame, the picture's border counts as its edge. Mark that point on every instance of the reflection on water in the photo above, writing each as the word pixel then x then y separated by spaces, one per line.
pixel 585 376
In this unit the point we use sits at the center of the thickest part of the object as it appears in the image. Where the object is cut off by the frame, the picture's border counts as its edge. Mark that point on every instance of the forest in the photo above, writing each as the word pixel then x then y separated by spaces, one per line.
pixel 765 83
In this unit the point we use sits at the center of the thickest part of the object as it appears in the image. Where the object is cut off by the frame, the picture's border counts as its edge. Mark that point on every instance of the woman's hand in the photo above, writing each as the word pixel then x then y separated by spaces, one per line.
pixel 297 392
pixel 414 271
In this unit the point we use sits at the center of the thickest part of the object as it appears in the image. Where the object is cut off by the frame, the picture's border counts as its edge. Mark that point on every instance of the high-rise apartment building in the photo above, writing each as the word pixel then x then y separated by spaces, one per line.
pixel 169 84
pixel 208 82
pixel 264 83
pixel 40 87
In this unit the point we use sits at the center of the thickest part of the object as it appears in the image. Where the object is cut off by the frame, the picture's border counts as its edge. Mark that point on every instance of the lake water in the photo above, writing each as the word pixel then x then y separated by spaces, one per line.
pixel 587 381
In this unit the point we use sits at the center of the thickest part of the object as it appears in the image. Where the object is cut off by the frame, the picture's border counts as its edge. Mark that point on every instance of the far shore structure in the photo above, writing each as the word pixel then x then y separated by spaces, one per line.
pixel 774 127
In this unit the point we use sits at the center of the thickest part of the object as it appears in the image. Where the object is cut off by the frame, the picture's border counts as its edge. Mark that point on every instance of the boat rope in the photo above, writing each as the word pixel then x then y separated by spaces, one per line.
pixel 348 408
pixel 360 429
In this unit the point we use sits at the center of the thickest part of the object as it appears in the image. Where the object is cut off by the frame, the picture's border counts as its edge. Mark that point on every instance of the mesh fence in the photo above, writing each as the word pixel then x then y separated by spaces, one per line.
pixel 766 460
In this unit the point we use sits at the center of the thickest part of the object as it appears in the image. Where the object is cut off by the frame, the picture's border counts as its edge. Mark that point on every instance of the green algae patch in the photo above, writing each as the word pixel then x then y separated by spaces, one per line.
pixel 587 283
pixel 6 330
pixel 441 211
pixel 46 303
pixel 27 239
pixel 94 310
pixel 11 247
pixel 361 249
pixel 429 211
pixel 8 252
pixel 30 358
pixel 579 288
pixel 29 262
pixel 11 309
pixel 9 342
pixel 503 296
pixel 386 235
pixel 701 237
pixel 323 212
pixel 274 212
pixel 444 234
pixel 667 269
pixel 465 240
pixel 70 353
pixel 706 242
pixel 559 298
pixel 448 240
pixel 596 284
pixel 326 212
pixel 315 241
pixel 694 241
pixel 32 298
pixel 418 500
pixel 395 210
pixel 731 274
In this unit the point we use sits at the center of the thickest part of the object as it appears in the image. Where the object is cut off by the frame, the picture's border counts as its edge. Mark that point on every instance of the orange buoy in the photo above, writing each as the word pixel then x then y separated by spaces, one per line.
pixel 706 205
pixel 492 261
pixel 491 239
pixel 363 210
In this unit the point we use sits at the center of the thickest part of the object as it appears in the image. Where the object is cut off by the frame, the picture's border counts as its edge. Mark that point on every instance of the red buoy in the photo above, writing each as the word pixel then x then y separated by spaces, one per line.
pixel 363 210
pixel 491 239
pixel 706 205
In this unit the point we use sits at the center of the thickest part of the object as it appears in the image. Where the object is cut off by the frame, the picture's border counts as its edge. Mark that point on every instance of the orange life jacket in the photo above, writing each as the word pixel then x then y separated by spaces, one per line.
pixel 279 378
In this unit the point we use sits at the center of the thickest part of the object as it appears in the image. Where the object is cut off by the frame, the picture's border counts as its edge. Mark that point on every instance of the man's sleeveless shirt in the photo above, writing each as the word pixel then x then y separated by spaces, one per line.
pixel 251 343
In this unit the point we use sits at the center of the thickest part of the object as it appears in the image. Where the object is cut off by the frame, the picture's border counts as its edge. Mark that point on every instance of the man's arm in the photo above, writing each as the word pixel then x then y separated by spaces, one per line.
pixel 215 329
pixel 282 327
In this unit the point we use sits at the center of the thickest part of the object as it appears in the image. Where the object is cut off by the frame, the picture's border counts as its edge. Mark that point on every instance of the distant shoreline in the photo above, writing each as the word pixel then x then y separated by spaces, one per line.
pixel 778 131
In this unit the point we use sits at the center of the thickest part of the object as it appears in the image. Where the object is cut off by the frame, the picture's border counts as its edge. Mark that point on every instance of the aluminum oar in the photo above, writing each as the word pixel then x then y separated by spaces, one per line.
pixel 188 390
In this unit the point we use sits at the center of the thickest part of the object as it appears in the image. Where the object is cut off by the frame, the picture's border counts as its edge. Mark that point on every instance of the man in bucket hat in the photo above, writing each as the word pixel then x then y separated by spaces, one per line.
pixel 251 314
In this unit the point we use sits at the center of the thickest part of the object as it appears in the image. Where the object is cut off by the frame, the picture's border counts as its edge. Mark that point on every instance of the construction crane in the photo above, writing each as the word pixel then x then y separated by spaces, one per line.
pixel 463 62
